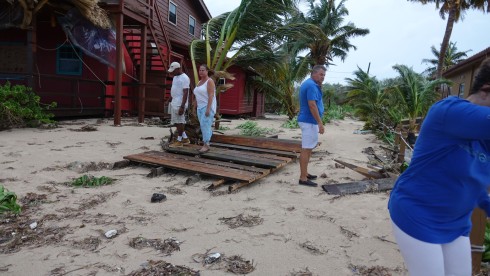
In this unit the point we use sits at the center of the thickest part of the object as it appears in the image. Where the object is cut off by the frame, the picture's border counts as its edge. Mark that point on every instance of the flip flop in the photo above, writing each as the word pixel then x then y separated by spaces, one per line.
pixel 308 183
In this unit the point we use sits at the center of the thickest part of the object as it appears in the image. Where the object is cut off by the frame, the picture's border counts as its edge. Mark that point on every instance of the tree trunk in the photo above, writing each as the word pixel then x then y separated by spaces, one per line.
pixel 447 36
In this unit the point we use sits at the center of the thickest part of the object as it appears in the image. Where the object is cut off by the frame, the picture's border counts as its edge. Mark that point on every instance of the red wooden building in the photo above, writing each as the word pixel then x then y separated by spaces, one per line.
pixel 56 54
pixel 92 71
pixel 241 99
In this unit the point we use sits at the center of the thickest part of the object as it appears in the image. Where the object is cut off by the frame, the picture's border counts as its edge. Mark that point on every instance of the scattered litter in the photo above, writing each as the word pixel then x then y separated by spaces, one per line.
pixel 357 131
pixel 110 234
pixel 211 258
pixel 148 138
pixel 157 197
pixel 33 225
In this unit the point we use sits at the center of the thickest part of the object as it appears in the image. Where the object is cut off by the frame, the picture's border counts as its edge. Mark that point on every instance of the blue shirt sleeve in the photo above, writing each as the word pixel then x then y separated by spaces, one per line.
pixel 466 120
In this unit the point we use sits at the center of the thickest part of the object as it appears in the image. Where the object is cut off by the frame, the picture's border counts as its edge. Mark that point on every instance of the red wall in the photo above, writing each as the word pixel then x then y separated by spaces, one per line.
pixel 235 100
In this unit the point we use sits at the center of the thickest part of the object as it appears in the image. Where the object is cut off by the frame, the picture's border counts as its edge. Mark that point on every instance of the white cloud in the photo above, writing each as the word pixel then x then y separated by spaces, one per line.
pixel 401 32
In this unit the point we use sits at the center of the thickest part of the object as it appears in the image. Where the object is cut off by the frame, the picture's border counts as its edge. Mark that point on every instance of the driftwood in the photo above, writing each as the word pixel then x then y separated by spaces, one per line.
pixel 363 171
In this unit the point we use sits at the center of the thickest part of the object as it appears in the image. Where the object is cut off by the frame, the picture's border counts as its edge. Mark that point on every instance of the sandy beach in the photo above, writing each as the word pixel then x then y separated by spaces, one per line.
pixel 291 229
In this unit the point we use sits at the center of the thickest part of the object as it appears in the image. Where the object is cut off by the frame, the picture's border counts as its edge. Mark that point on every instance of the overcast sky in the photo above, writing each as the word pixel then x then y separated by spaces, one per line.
pixel 401 32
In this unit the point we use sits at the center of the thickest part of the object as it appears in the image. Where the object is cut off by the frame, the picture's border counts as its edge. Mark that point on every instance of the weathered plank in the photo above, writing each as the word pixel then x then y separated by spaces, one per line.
pixel 289 154
pixel 214 162
pixel 259 142
pixel 361 170
pixel 375 185
pixel 235 157
pixel 193 164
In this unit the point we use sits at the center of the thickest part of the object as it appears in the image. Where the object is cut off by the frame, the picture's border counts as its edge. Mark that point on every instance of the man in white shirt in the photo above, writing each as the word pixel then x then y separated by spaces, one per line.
pixel 178 102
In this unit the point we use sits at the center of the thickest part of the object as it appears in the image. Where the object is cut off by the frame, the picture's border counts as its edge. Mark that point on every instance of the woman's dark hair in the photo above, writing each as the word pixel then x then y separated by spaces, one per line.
pixel 482 77
pixel 210 72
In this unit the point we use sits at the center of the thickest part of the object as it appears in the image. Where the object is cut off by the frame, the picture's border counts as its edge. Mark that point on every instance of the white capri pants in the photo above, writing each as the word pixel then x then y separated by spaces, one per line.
pixel 431 259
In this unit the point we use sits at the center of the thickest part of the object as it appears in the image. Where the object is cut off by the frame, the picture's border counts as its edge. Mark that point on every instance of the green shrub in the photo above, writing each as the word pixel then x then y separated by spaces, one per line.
pixel 486 243
pixel 20 107
pixel 250 128
pixel 293 123
pixel 91 181
pixel 335 112
pixel 8 201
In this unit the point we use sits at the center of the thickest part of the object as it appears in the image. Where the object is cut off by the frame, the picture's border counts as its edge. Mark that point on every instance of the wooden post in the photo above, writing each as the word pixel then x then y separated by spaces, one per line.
pixel 401 151
pixel 118 73
pixel 142 87
pixel 477 237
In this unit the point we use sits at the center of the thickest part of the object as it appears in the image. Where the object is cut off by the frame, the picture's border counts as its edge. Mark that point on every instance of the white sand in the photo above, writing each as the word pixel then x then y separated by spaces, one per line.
pixel 340 232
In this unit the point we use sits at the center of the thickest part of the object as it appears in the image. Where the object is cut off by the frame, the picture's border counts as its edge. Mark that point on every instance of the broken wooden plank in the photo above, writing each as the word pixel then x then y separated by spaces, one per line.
pixel 235 157
pixel 237 186
pixel 289 154
pixel 155 172
pixel 216 184
pixel 365 186
pixel 193 164
pixel 361 170
pixel 121 164
pixel 259 142
pixel 215 162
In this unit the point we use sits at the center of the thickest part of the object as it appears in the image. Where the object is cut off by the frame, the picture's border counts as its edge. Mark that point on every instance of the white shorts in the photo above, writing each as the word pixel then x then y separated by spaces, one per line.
pixel 309 135
pixel 175 117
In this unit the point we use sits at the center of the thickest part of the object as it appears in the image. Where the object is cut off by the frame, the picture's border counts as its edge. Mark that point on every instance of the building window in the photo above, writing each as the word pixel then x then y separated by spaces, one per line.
pixel 69 61
pixel 461 90
pixel 172 13
pixel 192 25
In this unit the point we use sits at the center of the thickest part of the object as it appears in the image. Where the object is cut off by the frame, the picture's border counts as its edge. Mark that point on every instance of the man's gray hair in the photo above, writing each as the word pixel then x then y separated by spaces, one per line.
pixel 317 68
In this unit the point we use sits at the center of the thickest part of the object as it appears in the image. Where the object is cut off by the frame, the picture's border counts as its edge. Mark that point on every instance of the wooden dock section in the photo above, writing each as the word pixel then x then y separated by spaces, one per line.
pixel 238 159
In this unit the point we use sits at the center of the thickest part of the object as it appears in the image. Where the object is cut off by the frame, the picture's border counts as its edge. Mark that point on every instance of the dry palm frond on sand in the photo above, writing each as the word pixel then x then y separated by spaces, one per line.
pixel 88 8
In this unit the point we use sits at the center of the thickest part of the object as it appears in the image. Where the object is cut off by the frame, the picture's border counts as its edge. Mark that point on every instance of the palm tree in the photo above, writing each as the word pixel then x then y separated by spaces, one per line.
pixel 368 98
pixel 452 57
pixel 455 10
pixel 279 72
pixel 333 40
pixel 254 25
pixel 414 93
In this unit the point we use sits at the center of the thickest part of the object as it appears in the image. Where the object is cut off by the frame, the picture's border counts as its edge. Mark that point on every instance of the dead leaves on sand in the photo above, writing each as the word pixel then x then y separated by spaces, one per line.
pixel 242 221
pixel 15 233
pixel 165 247
pixel 235 264
pixel 163 268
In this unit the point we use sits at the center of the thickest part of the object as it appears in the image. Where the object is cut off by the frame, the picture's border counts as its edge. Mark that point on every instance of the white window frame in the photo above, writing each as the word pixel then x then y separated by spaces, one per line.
pixel 189 29
pixel 168 17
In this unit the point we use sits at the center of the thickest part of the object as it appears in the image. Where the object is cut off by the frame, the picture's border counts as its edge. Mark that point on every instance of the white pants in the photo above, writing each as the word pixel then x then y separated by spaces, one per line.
pixel 430 259
pixel 309 135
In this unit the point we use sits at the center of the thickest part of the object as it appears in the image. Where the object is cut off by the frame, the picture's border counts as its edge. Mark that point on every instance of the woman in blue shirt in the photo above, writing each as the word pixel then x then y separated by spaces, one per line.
pixel 449 174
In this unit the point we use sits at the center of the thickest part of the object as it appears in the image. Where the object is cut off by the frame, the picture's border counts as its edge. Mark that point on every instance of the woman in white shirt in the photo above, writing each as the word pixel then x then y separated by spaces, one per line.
pixel 205 93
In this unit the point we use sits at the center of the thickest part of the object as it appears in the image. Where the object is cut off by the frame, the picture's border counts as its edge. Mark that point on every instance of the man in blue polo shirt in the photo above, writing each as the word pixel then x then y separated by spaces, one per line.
pixel 310 120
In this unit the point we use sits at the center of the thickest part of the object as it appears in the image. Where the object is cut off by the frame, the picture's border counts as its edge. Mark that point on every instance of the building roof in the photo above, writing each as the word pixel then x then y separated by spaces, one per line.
pixel 468 62
pixel 205 9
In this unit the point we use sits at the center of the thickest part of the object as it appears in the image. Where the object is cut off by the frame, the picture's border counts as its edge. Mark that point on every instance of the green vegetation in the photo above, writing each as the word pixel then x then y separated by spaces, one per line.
pixel 293 123
pixel 486 243
pixel 92 181
pixel 250 128
pixel 20 107
pixel 223 128
pixel 8 201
